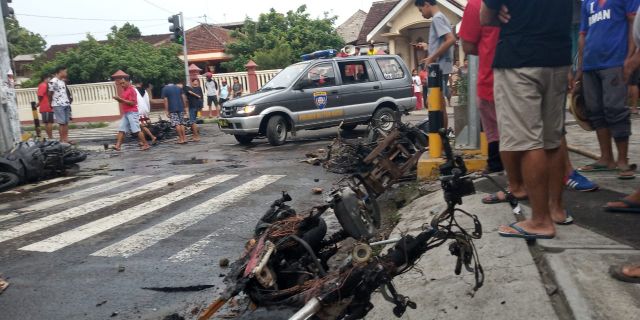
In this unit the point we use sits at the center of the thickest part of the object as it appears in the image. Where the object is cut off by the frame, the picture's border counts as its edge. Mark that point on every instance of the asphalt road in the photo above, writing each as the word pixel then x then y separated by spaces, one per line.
pixel 86 250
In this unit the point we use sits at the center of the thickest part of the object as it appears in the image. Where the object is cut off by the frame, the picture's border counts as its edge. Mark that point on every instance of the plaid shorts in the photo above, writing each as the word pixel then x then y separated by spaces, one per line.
pixel 176 119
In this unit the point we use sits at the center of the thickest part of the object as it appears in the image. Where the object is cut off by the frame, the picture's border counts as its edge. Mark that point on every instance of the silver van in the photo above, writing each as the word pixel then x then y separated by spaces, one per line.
pixel 319 94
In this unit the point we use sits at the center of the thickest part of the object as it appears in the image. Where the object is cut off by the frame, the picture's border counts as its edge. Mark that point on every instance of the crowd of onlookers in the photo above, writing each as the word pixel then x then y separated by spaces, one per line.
pixel 183 105
pixel 526 70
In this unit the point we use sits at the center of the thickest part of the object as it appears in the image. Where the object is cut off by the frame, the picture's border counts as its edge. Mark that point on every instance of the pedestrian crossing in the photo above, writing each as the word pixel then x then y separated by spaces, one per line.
pixel 80 199
pixel 101 134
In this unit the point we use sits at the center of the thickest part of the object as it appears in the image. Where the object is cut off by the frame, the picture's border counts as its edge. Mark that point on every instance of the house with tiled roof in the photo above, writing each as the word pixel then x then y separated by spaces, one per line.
pixel 350 29
pixel 205 45
pixel 403 25
pixel 392 25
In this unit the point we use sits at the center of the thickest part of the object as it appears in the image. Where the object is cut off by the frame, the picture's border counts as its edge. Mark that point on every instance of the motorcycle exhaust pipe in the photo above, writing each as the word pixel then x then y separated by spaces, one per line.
pixel 310 309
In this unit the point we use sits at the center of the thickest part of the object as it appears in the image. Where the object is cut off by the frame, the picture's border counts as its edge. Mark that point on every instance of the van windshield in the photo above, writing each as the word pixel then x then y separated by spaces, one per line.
pixel 285 78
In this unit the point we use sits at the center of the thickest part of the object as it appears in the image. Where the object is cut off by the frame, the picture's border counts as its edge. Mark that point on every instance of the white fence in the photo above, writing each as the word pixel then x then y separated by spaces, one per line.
pixel 94 101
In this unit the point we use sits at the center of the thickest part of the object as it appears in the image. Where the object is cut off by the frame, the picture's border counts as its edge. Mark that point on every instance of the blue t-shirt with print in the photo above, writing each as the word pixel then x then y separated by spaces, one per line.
pixel 174 94
pixel 606 29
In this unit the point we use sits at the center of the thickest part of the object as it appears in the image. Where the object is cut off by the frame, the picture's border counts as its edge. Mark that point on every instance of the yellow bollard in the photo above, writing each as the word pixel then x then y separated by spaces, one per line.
pixel 484 144
pixel 435 111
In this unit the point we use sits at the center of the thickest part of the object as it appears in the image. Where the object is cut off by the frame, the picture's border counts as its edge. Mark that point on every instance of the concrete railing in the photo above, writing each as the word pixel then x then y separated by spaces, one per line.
pixel 91 102
pixel 94 101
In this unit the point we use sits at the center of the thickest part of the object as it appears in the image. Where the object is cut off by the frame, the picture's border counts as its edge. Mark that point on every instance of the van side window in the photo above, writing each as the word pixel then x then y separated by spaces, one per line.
pixel 391 69
pixel 355 72
pixel 322 75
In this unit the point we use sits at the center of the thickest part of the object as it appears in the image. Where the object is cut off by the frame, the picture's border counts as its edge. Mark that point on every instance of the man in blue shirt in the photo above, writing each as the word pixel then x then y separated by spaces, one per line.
pixel 530 95
pixel 175 108
pixel 604 45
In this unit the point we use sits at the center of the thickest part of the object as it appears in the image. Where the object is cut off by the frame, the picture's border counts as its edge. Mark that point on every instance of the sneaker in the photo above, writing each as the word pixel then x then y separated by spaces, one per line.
pixel 578 182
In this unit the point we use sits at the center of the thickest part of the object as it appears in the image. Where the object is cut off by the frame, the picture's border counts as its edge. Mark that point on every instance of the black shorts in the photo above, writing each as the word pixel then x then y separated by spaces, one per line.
pixel 47 117
pixel 212 99
pixel 634 80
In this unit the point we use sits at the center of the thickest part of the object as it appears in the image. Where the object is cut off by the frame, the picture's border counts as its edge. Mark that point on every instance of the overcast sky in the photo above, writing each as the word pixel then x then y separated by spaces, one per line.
pixel 155 14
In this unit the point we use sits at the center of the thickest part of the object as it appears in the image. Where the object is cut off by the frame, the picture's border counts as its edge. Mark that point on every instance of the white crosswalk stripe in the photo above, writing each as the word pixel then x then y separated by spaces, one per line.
pixel 146 238
pixel 93 228
pixel 73 196
pixel 85 208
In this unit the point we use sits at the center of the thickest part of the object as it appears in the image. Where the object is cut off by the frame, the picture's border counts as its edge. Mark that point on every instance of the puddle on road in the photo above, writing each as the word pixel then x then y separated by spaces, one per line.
pixel 190 161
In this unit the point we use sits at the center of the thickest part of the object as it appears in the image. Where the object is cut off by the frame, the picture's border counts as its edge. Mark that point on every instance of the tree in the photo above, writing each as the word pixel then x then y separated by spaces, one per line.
pixel 127 31
pixel 95 61
pixel 21 40
pixel 279 40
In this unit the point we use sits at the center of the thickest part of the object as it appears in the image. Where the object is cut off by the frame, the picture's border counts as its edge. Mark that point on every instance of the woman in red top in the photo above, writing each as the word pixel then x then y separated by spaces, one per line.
pixel 45 107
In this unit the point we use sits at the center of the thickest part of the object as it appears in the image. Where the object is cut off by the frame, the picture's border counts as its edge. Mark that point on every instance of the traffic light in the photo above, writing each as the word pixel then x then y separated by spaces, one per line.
pixel 176 29
pixel 6 10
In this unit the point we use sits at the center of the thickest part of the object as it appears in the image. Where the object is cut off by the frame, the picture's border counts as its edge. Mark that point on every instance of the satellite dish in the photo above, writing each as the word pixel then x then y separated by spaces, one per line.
pixel 350 50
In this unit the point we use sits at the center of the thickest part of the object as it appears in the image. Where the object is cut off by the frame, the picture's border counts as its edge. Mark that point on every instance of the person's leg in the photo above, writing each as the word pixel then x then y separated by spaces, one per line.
pixel 64 132
pixel 593 88
pixel 119 139
pixel 487 110
pixel 195 134
pixel 617 115
pixel 209 103
pixel 49 129
pixel 633 98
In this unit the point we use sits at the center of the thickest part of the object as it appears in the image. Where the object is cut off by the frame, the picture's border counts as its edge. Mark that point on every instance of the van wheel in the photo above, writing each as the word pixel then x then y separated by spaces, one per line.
pixel 384 118
pixel 349 127
pixel 277 130
pixel 244 139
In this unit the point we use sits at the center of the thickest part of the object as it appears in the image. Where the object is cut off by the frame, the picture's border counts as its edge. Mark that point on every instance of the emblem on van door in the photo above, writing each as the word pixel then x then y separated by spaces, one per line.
pixel 320 98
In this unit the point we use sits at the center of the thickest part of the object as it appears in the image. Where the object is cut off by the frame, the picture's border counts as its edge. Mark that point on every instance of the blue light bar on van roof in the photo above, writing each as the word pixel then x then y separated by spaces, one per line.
pixel 329 53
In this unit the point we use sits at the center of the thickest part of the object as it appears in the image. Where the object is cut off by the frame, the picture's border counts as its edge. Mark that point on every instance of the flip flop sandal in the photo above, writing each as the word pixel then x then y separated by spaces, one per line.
pixel 567 221
pixel 116 148
pixel 523 234
pixel 494 199
pixel 596 167
pixel 628 173
pixel 617 273
pixel 631 207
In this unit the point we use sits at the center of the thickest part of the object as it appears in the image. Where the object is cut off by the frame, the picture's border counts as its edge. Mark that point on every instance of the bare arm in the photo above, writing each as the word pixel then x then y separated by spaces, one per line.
pixel 128 102
pixel 632 44
pixel 488 16
pixel 469 48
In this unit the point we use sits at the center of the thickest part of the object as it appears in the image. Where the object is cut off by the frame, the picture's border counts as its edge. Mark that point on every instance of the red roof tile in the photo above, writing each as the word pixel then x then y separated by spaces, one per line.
pixel 378 11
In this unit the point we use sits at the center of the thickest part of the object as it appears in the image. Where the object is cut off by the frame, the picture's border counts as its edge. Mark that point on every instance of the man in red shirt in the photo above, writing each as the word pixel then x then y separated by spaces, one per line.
pixel 45 107
pixel 481 41
pixel 128 100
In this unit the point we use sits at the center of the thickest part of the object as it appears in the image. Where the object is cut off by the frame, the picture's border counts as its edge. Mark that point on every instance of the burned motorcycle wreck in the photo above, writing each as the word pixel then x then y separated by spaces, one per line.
pixel 286 264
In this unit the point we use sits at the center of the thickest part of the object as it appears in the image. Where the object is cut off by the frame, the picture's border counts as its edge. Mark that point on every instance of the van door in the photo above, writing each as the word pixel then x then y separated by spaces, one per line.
pixel 360 90
pixel 316 102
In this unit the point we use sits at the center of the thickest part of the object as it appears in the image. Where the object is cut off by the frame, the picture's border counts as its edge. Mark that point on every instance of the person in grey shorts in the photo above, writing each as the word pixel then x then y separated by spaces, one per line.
pixel 60 102
pixel 605 44
pixel 530 94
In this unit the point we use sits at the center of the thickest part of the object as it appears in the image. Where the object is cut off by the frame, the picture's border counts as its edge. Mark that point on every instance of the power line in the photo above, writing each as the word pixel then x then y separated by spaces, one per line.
pixel 84 19
pixel 96 32
pixel 159 7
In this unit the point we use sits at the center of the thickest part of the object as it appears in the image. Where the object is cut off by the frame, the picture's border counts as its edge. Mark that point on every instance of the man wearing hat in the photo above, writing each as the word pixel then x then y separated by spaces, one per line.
pixel 213 91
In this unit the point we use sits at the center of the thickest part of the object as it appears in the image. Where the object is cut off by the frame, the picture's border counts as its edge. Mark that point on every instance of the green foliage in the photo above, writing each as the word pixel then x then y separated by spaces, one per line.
pixel 21 40
pixel 279 39
pixel 127 31
pixel 95 61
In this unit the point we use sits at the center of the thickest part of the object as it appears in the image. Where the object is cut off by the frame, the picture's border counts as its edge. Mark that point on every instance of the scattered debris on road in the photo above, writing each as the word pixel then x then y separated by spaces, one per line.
pixel 99 304
pixel 3 285
pixel 181 289
pixel 317 190
pixel 224 262
pixel 121 268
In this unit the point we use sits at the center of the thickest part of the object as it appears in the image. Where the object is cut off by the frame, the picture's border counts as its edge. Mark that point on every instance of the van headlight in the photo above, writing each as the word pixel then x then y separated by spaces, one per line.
pixel 246 110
